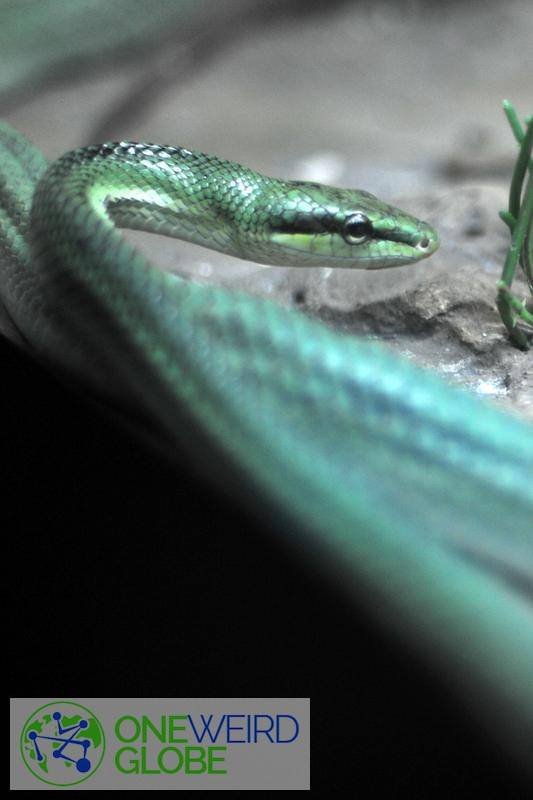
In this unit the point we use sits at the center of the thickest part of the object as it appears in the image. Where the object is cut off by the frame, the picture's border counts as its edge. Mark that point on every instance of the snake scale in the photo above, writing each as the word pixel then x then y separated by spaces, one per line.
pixel 422 492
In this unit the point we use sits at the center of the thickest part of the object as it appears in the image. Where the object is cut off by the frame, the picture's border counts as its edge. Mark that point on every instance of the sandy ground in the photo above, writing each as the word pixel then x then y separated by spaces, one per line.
pixel 402 99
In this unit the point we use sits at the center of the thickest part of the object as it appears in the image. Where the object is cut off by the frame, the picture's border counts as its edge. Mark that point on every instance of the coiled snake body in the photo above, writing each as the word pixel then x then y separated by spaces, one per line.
pixel 424 492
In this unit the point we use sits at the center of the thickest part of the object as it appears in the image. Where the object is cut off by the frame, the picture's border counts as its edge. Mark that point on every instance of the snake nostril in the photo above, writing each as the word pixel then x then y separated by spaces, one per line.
pixel 424 242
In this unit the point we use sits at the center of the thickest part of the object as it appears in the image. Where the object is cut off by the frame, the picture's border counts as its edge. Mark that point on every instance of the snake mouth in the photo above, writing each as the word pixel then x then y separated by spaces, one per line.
pixel 422 245
pixel 381 251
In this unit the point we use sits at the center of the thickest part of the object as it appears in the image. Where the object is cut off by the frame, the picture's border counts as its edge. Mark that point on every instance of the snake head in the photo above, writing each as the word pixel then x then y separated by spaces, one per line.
pixel 315 225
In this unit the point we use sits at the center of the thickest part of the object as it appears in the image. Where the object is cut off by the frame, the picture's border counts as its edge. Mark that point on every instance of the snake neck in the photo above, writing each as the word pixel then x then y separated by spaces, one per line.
pixel 166 190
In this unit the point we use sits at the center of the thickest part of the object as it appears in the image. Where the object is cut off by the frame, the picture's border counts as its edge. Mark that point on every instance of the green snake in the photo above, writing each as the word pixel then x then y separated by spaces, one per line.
pixel 423 493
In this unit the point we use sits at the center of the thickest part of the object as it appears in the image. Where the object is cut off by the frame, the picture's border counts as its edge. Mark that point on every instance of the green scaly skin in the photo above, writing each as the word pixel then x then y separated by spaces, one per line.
pixel 423 493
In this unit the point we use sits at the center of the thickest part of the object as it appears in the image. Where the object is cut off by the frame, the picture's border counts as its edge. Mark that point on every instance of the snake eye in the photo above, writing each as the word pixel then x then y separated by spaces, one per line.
pixel 357 228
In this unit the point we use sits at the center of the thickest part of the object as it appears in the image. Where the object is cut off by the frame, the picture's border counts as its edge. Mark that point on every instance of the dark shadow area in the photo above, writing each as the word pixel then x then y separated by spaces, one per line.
pixel 131 578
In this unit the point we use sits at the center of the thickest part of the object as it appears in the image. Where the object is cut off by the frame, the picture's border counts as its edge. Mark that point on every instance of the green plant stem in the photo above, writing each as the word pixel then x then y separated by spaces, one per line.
pixel 518 218
pixel 518 235
pixel 522 163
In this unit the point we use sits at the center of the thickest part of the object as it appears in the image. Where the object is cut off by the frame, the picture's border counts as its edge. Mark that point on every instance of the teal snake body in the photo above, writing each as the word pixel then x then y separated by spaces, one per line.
pixel 423 493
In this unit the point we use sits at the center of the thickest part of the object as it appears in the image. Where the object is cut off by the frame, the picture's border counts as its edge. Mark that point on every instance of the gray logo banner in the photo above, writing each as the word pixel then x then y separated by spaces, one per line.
pixel 160 743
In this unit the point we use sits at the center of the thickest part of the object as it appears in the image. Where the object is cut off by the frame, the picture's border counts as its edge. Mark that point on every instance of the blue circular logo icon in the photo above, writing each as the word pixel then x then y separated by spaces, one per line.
pixel 62 743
